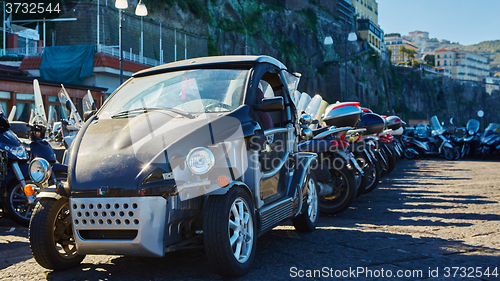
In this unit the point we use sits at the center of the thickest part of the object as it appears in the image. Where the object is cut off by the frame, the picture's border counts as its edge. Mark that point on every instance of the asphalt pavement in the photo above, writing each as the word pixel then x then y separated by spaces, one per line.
pixel 428 219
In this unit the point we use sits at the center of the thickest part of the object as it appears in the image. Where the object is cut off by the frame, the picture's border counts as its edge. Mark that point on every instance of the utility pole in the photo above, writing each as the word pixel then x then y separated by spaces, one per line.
pixel 97 27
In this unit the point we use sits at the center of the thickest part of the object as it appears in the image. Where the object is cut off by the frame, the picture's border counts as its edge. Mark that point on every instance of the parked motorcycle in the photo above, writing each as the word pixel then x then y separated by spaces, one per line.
pixel 471 139
pixel 16 204
pixel 490 142
pixel 436 144
pixel 338 173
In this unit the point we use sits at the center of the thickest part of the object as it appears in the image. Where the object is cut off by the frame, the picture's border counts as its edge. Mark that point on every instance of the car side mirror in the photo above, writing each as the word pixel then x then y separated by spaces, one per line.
pixel 270 104
pixel 88 114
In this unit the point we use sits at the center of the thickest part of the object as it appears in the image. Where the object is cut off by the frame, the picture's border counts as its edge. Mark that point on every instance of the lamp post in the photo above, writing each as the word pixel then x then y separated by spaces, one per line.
pixel 349 37
pixel 141 11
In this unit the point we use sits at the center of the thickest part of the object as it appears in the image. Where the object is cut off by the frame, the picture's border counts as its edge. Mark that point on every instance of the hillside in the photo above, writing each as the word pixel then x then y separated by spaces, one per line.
pixel 489 49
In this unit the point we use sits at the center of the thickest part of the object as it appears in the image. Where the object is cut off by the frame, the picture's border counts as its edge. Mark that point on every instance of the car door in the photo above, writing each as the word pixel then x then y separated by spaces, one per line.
pixel 273 156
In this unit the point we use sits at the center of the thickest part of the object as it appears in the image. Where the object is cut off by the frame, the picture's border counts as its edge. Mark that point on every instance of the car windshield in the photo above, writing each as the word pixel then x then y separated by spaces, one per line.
pixel 189 91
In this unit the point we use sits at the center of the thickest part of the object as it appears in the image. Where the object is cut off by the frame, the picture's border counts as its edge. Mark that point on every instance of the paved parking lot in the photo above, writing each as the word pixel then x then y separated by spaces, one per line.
pixel 428 219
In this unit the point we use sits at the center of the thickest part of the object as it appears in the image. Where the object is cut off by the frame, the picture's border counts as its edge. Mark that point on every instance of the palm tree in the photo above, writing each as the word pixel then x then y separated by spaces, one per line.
pixel 404 51
pixel 411 54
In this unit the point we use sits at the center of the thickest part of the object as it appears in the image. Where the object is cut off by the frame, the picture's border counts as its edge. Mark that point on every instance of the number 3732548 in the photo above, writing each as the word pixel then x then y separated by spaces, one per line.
pixel 32 8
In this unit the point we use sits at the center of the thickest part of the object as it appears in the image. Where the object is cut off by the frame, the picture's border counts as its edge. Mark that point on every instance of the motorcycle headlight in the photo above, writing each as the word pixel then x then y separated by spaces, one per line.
pixel 17 151
pixel 39 170
pixel 200 160
pixel 471 133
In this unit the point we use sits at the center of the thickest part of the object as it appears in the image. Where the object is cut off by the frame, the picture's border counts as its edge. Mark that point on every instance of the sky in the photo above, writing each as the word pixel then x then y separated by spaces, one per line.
pixel 467 22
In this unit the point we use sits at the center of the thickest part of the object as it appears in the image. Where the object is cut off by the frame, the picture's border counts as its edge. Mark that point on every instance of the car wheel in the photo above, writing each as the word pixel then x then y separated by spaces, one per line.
pixel 229 232
pixel 51 235
pixel 308 218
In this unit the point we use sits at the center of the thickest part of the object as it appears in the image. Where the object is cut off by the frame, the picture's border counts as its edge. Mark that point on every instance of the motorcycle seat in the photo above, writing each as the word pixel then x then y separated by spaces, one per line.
pixel 319 131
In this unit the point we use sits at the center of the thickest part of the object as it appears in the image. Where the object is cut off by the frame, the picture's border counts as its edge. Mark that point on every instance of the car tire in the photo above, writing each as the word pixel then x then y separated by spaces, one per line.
pixel 50 227
pixel 307 220
pixel 230 242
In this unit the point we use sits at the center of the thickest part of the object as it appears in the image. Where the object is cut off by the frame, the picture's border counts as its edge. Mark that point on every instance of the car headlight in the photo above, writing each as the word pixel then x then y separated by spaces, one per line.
pixel 200 160
pixel 40 170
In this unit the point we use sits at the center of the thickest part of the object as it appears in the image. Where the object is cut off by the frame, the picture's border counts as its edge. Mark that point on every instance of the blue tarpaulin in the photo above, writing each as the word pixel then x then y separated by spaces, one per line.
pixel 67 64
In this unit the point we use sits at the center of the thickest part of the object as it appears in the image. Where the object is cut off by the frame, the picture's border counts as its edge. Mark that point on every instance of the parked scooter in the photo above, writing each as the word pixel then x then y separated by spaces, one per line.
pixel 471 139
pixel 338 167
pixel 436 144
pixel 366 149
pixel 490 142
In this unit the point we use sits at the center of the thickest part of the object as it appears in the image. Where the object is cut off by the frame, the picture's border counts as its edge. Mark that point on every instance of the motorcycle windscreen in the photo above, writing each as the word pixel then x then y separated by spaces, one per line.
pixel 88 102
pixel 68 109
pixel 472 126
pixel 491 129
pixel 436 127
pixel 304 101
pixel 39 111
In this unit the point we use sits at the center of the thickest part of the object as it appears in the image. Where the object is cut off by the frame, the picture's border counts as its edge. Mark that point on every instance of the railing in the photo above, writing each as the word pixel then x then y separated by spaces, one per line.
pixel 114 51
pixel 31 51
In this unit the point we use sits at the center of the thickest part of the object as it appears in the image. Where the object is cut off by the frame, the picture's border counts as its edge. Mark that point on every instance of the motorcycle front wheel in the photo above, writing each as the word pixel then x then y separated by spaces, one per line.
pixel 449 153
pixel 51 236
pixel 17 205
pixel 344 192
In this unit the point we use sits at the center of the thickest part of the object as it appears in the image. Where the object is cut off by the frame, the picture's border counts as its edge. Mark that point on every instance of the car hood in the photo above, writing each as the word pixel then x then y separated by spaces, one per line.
pixel 117 154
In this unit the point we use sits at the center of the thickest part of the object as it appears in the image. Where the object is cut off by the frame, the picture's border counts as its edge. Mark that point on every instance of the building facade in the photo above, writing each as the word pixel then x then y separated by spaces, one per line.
pixel 395 43
pixel 461 65
pixel 366 9
pixel 371 33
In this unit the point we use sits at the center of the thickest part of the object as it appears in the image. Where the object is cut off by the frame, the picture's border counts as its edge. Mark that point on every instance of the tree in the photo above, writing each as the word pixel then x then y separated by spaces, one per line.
pixel 429 59
pixel 411 54
pixel 403 51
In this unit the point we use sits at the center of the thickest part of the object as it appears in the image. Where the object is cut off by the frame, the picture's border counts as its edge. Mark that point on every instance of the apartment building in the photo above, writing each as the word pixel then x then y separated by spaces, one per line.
pixel 395 43
pixel 461 65
pixel 366 9
pixel 371 33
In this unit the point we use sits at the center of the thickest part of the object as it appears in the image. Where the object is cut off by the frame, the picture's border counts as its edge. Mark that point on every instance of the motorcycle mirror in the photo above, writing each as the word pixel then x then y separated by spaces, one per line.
pixel 88 114
pixel 68 105
pixel 306 119
pixel 451 120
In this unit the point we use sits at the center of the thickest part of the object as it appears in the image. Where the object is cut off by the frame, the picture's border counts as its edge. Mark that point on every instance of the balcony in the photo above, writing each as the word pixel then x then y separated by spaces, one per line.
pixel 107 50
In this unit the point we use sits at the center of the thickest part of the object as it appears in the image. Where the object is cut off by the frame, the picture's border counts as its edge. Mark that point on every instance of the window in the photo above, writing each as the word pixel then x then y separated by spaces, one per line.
pixel 456 62
pixel 439 63
pixel 444 55
pixel 444 63
pixel 439 56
